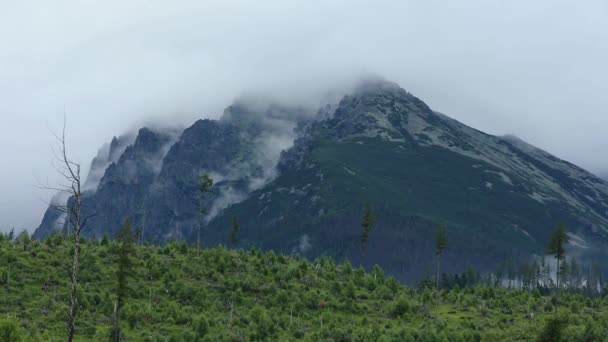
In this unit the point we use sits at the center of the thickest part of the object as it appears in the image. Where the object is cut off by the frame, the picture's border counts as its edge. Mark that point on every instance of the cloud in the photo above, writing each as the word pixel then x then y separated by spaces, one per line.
pixel 303 246
pixel 534 69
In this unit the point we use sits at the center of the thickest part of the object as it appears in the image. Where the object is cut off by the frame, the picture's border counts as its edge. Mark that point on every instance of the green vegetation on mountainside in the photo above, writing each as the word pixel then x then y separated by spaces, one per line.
pixel 412 188
pixel 227 295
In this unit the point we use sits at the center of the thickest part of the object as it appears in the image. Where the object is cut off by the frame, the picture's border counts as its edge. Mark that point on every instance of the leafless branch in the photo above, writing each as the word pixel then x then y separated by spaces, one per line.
pixel 69 170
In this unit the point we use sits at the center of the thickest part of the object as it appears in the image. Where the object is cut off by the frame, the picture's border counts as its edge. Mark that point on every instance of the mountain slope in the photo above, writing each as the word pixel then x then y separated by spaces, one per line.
pixel 499 197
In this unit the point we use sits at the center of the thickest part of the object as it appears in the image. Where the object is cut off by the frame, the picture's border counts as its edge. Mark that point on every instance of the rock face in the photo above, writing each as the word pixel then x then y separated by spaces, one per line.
pixel 154 180
pixel 298 181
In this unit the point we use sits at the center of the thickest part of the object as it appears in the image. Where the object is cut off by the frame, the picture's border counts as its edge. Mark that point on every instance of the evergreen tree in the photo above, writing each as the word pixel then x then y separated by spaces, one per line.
pixel 25 239
pixel 234 232
pixel 367 224
pixel 553 330
pixel 9 331
pixel 559 238
pixel 125 254
pixel 11 235
pixel 441 243
pixel 205 184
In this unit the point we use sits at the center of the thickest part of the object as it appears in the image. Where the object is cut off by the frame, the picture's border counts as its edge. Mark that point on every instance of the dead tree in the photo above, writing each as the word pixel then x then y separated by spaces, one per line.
pixel 70 172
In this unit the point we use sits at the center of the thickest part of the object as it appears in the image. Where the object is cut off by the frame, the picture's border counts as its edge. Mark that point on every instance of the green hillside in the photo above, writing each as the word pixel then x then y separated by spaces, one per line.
pixel 228 295
pixel 412 188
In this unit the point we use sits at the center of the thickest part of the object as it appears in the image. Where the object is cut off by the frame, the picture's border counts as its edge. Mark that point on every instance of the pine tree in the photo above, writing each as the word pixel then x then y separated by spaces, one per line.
pixel 234 233
pixel 556 248
pixel 367 224
pixel 441 243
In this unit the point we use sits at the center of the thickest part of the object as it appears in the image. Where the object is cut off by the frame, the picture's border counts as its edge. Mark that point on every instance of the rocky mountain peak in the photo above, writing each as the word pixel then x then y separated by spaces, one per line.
pixel 378 144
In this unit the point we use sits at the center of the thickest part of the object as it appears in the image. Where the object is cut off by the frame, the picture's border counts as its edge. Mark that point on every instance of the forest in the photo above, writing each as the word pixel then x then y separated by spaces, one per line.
pixel 137 292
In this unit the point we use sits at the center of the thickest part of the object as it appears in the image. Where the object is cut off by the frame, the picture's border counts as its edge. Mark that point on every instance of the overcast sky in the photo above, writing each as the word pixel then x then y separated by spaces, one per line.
pixel 537 69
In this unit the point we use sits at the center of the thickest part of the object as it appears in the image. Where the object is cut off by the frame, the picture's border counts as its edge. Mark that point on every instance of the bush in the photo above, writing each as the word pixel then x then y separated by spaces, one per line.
pixel 9 331
pixel 201 326
pixel 401 307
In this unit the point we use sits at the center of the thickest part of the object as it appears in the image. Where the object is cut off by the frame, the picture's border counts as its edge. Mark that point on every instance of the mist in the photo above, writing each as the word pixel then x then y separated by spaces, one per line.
pixel 533 69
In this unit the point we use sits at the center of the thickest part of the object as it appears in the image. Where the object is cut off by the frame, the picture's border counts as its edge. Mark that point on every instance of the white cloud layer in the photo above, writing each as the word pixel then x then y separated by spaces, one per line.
pixel 533 68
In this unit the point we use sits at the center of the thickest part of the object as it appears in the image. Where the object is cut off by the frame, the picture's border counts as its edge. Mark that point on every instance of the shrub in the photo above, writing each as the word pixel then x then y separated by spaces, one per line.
pixel 553 330
pixel 400 307
pixel 9 331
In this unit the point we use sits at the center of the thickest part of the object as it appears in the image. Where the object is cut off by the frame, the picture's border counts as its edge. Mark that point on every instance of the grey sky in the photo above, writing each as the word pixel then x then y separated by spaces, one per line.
pixel 533 68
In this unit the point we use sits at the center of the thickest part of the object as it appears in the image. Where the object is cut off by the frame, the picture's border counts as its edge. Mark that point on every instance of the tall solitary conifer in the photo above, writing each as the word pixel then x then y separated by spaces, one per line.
pixel 441 243
pixel 367 224
pixel 559 238
pixel 234 232
pixel 125 253
pixel 205 185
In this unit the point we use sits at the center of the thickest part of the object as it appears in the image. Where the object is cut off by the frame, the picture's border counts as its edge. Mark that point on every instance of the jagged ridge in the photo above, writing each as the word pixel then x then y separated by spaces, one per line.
pixel 499 195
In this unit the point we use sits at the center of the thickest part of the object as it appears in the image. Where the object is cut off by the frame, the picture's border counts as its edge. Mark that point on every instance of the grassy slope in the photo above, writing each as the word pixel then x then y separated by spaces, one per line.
pixel 177 296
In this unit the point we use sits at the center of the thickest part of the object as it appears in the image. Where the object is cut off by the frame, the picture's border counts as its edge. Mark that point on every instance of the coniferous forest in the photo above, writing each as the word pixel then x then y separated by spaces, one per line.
pixel 174 293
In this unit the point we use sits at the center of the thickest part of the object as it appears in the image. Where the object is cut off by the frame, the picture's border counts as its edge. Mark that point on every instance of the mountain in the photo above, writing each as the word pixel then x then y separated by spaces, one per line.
pixel 298 180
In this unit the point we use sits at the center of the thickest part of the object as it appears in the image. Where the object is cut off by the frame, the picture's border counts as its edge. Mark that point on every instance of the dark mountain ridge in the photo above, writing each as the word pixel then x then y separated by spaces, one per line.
pixel 298 180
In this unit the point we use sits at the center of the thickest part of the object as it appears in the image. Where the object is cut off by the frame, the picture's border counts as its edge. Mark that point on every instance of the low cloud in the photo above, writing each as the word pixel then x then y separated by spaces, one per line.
pixel 116 66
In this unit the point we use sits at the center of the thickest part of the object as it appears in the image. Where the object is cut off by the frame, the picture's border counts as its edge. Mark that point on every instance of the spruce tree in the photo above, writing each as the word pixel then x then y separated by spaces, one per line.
pixel 367 224
pixel 205 184
pixel 125 254
pixel 441 243
pixel 234 232
pixel 25 239
pixel 558 240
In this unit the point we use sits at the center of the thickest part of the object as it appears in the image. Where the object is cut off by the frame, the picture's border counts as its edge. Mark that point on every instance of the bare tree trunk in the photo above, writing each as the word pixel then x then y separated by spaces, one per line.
pixel 231 305
pixel 437 277
pixel 557 297
pixel 116 334
pixel 77 227
pixel 74 295
pixel 70 171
